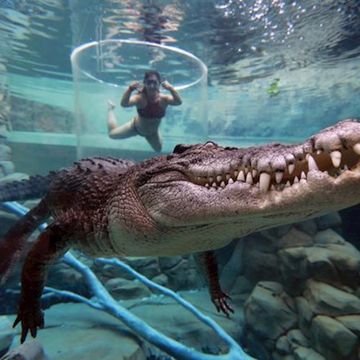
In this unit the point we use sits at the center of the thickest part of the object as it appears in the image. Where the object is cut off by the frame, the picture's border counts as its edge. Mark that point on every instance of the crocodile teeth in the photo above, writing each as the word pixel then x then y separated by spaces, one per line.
pixel 264 181
pixel 291 168
pixel 241 176
pixel 249 178
pixel 312 163
pixel 278 176
pixel 218 178
pixel 336 158
pixel 356 148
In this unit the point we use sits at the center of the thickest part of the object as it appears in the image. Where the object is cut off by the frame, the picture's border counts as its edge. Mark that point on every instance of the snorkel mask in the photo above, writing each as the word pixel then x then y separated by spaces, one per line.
pixel 152 84
pixel 152 80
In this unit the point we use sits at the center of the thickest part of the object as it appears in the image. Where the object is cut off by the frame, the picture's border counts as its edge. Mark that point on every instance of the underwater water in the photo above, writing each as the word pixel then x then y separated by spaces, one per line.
pixel 249 73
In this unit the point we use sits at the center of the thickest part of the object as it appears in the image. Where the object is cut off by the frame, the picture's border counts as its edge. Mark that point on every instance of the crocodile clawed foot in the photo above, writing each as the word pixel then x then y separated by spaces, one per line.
pixel 220 301
pixel 31 318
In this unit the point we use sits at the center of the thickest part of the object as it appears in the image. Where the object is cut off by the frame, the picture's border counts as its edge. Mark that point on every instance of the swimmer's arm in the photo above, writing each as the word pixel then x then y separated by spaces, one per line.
pixel 174 98
pixel 127 100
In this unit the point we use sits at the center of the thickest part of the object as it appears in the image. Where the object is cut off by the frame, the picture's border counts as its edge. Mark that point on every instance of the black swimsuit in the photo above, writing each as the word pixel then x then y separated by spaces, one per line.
pixel 152 110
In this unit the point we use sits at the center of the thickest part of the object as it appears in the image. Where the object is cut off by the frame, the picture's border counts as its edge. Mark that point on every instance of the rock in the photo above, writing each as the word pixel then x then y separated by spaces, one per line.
pixel 262 241
pixel 260 265
pixel 276 233
pixel 278 356
pixel 107 271
pixel 346 259
pixel 269 312
pixel 296 338
pixel 13 177
pixel 357 292
pixel 308 226
pixel 304 353
pixel 322 271
pixel 147 266
pixel 286 344
pixel 184 275
pixel 161 279
pixel 241 286
pixel 30 350
pixel 295 238
pixel 332 339
pixel 4 134
pixel 330 263
pixel 75 331
pixel 64 277
pixel 335 264
pixel 7 334
pixel 169 262
pixel 6 168
pixel 324 298
pixel 329 220
pixel 283 345
pixel 124 289
pixel 328 236
pixel 257 346
pixel 320 267
pixel 5 152
pixel 352 322
pixel 305 314
pixel 293 266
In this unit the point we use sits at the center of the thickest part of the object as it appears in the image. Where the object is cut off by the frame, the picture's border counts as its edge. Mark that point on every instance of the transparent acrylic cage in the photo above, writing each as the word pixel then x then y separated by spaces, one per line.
pixel 102 70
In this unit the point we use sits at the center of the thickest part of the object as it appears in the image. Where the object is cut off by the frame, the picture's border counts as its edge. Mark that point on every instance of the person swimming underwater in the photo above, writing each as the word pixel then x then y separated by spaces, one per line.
pixel 151 107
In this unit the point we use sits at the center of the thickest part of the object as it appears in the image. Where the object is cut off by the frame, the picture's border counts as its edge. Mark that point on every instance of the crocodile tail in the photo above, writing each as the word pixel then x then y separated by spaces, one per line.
pixel 12 246
pixel 32 188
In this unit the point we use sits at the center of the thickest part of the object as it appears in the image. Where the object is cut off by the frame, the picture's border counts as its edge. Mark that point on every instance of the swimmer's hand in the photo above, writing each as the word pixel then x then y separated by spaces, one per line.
pixel 166 85
pixel 135 85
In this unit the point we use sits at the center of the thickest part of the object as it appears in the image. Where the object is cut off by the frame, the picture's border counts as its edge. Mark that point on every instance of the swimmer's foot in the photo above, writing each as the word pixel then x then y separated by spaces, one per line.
pixel 111 105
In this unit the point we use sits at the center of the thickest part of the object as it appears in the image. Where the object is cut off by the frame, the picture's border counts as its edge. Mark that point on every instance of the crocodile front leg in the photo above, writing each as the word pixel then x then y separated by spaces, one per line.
pixel 208 265
pixel 50 245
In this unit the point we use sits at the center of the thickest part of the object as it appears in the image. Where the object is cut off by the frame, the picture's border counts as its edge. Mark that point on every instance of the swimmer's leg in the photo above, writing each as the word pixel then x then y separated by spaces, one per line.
pixel 111 119
pixel 155 141
pixel 115 131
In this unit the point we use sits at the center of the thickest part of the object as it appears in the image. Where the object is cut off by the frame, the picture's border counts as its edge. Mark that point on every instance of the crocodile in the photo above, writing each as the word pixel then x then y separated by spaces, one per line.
pixel 194 200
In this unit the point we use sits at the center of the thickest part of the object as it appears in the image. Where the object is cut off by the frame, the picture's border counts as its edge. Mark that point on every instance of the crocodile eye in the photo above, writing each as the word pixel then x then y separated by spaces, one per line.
pixel 180 148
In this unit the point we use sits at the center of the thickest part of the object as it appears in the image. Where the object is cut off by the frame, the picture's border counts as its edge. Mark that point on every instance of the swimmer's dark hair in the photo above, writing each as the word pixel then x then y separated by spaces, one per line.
pixel 152 73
